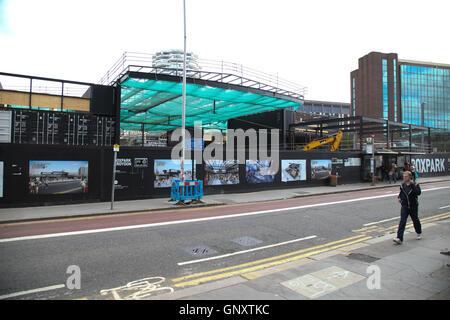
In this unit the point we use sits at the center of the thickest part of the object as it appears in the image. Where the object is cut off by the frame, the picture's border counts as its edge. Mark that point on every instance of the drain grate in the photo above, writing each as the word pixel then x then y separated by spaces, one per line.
pixel 200 251
pixel 362 257
pixel 247 241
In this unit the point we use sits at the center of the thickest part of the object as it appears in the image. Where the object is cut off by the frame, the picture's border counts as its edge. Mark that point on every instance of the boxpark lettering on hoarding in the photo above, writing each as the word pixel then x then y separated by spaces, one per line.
pixel 426 165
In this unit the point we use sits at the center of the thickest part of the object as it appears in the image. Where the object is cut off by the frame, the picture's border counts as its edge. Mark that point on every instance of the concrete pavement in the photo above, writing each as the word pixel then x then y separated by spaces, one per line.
pixel 103 208
pixel 414 270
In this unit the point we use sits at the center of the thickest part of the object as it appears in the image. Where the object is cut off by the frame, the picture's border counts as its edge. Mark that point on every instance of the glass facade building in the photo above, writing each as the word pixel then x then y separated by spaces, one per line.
pixel 394 71
pixel 385 90
pixel 427 87
pixel 353 96
pixel 399 90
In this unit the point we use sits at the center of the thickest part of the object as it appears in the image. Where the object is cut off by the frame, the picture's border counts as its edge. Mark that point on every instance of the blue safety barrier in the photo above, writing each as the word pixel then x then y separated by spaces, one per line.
pixel 188 189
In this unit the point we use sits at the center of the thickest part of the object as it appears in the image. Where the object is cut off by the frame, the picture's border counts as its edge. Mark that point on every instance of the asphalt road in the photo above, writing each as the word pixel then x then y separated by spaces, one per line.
pixel 116 257
pixel 61 187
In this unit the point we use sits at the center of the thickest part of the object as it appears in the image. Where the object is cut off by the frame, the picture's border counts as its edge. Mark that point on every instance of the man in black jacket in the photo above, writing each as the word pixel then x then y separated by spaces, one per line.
pixel 407 197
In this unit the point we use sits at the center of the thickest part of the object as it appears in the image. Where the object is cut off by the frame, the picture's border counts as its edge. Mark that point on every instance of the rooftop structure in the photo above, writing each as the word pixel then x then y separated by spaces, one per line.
pixel 151 93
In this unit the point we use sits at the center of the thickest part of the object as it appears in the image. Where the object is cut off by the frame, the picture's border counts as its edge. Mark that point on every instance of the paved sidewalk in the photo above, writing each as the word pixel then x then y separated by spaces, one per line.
pixel 413 270
pixel 102 208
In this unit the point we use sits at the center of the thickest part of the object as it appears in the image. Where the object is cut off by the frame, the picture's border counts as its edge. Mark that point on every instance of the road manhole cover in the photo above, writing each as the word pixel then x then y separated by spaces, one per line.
pixel 362 257
pixel 200 251
pixel 247 241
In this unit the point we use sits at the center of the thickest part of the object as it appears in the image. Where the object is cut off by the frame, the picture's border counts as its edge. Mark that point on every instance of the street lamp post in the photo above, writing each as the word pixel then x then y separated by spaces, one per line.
pixel 113 187
pixel 183 110
pixel 422 120
pixel 373 160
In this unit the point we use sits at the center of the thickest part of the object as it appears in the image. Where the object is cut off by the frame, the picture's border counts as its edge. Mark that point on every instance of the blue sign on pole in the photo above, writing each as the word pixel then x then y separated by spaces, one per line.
pixel 194 144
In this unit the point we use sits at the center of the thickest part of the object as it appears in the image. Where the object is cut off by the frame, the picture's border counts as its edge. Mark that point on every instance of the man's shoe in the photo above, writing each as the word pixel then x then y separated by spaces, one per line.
pixel 419 236
pixel 397 241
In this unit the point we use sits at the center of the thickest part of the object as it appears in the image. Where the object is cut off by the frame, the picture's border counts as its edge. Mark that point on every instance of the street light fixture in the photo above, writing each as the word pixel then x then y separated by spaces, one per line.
pixel 183 110
pixel 422 120
pixel 422 113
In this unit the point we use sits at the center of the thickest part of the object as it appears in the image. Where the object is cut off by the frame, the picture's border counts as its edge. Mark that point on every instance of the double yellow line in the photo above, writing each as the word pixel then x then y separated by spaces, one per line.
pixel 366 229
pixel 381 229
pixel 250 267
pixel 423 220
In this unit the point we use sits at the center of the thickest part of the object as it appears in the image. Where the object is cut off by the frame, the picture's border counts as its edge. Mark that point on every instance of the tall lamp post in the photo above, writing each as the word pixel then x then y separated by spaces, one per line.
pixel 422 120
pixel 183 110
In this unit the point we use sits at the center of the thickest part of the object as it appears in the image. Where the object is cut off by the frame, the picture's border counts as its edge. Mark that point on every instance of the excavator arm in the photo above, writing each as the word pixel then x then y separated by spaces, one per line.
pixel 335 140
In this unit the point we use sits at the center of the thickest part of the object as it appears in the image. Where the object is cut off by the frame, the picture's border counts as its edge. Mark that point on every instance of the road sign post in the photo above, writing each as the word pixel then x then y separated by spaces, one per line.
pixel 113 187
pixel 371 141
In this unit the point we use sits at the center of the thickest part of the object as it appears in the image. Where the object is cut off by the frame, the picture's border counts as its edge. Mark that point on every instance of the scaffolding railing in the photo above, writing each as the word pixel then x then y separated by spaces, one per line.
pixel 212 70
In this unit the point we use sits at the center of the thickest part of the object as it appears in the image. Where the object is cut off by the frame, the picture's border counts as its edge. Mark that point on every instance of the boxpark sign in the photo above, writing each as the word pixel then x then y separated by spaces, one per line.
pixel 432 164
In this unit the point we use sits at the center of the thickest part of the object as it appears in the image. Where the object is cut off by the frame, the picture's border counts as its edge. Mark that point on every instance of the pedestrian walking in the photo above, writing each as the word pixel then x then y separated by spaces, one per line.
pixel 384 173
pixel 406 167
pixel 414 173
pixel 408 198
pixel 393 174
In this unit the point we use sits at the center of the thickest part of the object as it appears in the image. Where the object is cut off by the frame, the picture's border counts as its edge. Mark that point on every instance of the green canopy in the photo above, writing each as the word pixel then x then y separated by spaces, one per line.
pixel 157 104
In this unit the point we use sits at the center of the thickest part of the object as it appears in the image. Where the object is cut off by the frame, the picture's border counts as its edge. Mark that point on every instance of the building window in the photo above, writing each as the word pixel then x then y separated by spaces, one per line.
pixel 385 90
pixel 353 96
pixel 395 89
pixel 425 84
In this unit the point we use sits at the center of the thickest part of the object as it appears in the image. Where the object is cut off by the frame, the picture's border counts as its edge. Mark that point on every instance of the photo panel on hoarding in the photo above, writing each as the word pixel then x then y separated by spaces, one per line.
pixel 320 169
pixel 259 171
pixel 352 162
pixel 167 170
pixel 58 177
pixel 293 170
pixel 221 172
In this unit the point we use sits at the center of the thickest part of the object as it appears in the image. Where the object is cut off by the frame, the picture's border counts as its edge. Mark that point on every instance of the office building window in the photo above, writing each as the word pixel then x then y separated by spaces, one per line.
pixel 385 90
pixel 353 96
pixel 427 86
pixel 395 88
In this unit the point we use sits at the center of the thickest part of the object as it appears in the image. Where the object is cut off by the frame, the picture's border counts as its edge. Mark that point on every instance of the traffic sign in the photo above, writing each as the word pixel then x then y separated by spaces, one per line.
pixel 116 148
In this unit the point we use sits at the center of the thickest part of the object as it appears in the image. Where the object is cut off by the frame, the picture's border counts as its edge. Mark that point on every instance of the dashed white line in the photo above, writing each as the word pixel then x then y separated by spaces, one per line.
pixel 445 207
pixel 244 251
pixel 22 293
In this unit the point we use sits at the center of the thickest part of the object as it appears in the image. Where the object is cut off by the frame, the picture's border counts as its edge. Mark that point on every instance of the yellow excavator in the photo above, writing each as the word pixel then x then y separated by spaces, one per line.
pixel 334 139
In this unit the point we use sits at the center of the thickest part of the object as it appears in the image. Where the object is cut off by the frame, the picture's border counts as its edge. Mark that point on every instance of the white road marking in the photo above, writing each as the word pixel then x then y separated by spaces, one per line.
pixel 445 207
pixel 245 251
pixel 140 289
pixel 22 293
pixel 438 188
pixel 371 223
pixel 158 224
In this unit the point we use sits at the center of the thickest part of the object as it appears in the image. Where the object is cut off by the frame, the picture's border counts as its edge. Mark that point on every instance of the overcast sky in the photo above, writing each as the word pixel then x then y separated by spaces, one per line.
pixel 313 43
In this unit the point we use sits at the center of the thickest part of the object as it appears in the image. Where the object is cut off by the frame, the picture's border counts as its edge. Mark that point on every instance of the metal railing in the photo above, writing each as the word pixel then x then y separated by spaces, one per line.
pixel 221 71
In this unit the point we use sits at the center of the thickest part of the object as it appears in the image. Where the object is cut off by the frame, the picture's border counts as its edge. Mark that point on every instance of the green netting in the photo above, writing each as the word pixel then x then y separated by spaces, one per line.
pixel 157 104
